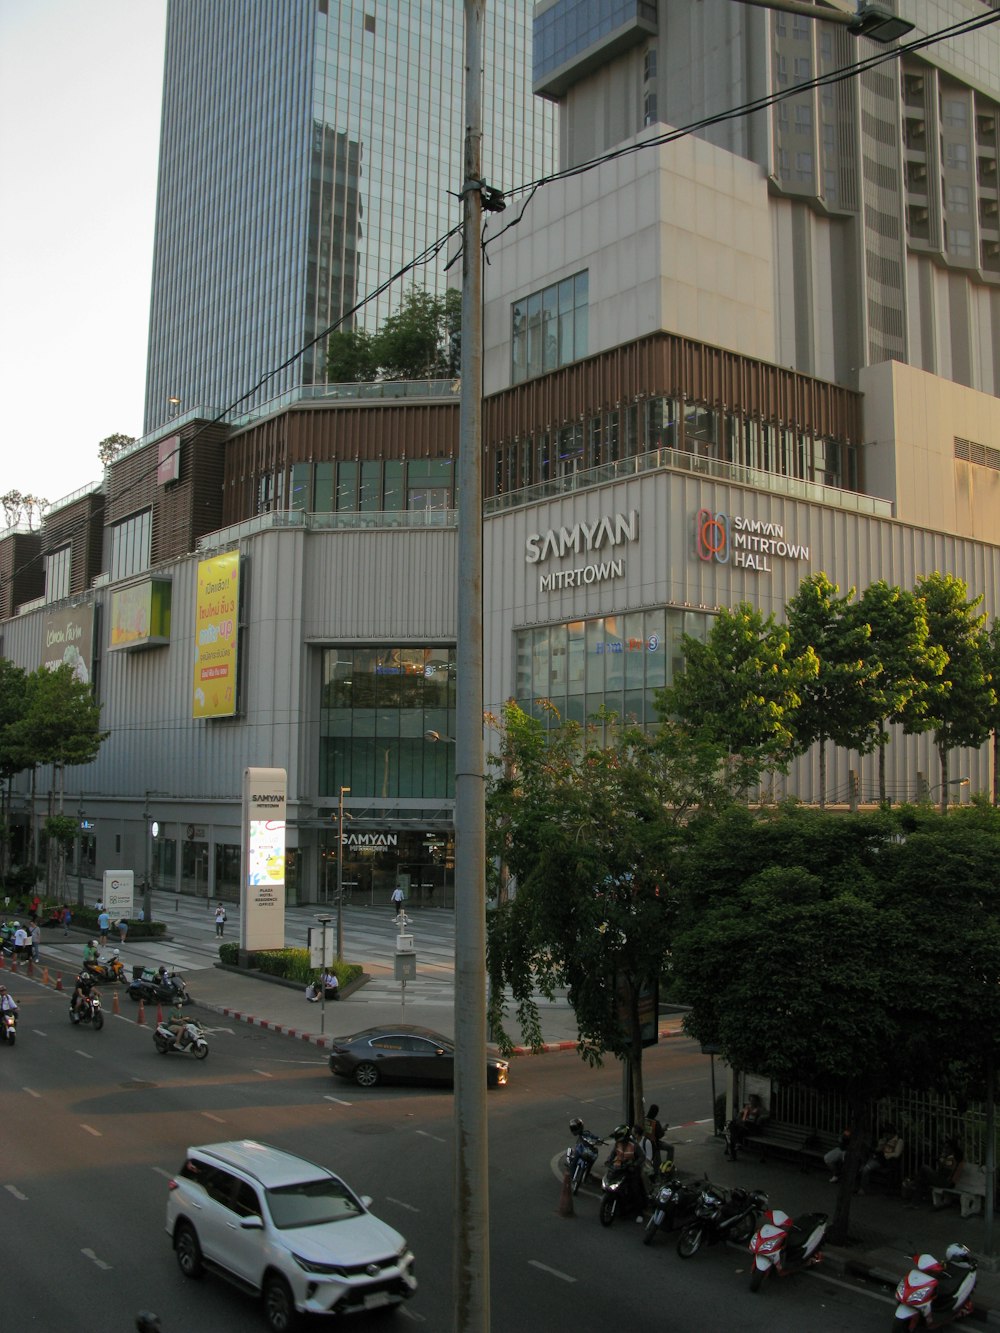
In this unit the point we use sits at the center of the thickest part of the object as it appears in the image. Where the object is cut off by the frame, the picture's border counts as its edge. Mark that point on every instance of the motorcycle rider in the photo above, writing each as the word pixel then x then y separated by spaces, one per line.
pixel 177 1024
pixel 81 991
pixel 8 1005
pixel 627 1155
pixel 91 953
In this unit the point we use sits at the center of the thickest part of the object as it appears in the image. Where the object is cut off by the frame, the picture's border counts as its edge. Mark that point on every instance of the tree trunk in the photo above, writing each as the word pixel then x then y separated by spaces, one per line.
pixel 944 778
pixel 881 762
pixel 996 767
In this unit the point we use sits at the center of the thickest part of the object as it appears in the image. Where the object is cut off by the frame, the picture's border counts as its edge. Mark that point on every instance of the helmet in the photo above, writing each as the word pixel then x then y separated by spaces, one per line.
pixel 84 976
pixel 666 1166
pixel 620 1133
pixel 114 953
pixel 17 925
pixel 93 944
pixel 576 1126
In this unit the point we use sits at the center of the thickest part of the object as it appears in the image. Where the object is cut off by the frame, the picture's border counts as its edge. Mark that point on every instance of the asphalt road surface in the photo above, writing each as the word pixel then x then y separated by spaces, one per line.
pixel 95 1123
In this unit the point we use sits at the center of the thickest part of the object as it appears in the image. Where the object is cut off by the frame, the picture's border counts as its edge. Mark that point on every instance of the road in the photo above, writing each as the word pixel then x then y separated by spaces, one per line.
pixel 96 1122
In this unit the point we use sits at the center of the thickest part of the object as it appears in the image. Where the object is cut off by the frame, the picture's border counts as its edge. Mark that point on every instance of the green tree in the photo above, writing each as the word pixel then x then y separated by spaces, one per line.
pixel 13 706
pixel 741 689
pixel 421 340
pixel 961 699
pixel 833 705
pixel 112 445
pixel 991 660
pixel 762 893
pixel 585 820
pixel 902 662
pixel 350 357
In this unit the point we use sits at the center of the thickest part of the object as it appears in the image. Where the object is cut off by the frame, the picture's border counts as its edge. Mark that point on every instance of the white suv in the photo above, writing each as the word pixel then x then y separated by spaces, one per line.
pixel 286 1228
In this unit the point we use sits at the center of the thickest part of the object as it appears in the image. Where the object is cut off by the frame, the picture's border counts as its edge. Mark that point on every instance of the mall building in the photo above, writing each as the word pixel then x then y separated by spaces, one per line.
pixel 705 378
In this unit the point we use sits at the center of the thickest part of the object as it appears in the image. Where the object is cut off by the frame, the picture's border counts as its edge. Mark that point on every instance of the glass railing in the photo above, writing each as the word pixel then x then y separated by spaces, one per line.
pixel 676 460
pixel 347 522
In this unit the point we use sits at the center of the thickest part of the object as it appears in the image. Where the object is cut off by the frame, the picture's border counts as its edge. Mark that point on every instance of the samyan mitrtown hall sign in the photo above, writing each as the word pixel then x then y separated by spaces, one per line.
pixel 599 538
pixel 746 543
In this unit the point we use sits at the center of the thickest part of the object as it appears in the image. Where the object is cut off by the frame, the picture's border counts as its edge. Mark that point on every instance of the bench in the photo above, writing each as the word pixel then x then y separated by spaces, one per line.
pixel 969 1189
pixel 808 1147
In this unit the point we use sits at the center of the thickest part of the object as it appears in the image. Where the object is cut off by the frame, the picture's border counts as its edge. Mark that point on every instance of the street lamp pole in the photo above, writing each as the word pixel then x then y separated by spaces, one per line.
pixel 324 921
pixel 340 877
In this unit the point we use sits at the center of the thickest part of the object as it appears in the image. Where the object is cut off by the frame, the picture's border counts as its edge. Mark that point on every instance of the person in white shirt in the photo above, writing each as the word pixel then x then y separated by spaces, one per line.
pixel 7 1002
pixel 397 899
pixel 21 943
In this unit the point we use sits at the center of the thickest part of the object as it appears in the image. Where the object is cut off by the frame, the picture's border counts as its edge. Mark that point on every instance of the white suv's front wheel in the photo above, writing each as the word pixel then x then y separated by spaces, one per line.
pixel 188 1250
pixel 279 1305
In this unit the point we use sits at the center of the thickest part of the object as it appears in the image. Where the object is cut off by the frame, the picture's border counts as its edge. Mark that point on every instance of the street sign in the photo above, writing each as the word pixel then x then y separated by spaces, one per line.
pixel 87 824
pixel 406 967
pixel 318 956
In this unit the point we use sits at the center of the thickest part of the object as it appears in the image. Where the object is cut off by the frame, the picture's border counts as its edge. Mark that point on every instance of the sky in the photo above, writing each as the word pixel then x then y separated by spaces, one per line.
pixel 80 88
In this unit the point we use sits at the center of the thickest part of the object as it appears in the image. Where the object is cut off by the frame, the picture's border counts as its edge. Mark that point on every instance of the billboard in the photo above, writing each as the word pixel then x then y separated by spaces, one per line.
pixel 262 920
pixel 69 639
pixel 213 691
pixel 140 615
pixel 119 894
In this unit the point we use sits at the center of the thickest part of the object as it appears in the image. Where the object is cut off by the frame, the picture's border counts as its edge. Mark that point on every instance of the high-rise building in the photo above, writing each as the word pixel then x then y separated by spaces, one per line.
pixel 309 150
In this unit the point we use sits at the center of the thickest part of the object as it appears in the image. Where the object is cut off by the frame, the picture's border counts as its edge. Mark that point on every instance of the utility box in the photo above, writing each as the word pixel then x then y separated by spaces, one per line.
pixel 404 943
pixel 406 966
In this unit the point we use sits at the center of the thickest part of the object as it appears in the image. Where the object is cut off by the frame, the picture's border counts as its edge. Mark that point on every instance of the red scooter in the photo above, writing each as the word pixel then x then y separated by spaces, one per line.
pixel 933 1293
pixel 783 1245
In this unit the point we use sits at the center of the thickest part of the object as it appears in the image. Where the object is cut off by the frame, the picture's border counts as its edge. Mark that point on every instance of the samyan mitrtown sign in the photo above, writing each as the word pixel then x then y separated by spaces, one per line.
pixel 582 538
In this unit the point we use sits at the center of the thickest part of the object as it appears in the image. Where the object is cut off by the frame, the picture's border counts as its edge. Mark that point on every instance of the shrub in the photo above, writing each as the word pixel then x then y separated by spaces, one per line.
pixel 292 964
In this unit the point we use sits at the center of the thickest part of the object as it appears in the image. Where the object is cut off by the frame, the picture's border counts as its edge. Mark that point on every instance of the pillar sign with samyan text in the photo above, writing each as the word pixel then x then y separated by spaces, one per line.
pixel 262 924
pixel 119 893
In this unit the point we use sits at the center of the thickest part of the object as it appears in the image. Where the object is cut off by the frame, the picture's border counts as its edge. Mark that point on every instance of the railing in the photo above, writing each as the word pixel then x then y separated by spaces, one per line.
pixel 679 461
pixel 363 391
pixel 351 521
pixel 923 1119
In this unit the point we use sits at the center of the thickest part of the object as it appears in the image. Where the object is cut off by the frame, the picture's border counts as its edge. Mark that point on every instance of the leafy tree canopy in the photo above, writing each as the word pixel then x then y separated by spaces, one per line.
pixel 112 445
pixel 421 340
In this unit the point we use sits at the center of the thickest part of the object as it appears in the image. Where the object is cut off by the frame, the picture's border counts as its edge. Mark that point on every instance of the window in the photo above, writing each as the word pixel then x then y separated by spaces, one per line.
pixel 57 569
pixel 954 112
pixel 956 156
pixel 957 198
pixel 958 241
pixel 130 546
pixel 549 328
pixel 649 64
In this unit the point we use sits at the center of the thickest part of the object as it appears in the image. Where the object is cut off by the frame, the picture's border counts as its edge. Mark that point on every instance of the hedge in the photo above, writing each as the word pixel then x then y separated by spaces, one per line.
pixel 292 964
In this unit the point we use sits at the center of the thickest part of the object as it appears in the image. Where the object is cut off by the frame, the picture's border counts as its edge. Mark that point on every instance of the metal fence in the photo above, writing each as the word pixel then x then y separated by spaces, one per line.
pixel 924 1119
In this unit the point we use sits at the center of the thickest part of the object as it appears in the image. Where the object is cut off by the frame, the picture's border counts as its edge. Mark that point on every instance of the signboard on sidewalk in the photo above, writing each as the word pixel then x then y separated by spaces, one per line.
pixel 262 921
pixel 119 894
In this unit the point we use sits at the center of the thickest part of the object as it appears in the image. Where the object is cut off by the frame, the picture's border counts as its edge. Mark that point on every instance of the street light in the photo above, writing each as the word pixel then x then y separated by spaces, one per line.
pixel 340 875
pixel 324 921
pixel 942 787
pixel 148 835
pixel 870 20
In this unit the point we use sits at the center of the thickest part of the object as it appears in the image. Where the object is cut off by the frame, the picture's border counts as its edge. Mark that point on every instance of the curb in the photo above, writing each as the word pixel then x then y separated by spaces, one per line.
pixel 548 1046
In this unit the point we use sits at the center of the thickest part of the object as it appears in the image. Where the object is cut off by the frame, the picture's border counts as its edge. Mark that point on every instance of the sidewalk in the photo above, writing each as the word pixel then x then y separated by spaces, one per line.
pixel 885 1233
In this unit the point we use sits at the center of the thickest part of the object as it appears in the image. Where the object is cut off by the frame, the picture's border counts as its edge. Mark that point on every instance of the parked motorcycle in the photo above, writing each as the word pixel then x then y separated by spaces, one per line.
pixel 110 968
pixel 8 1025
pixel 192 1040
pixel 624 1186
pixel 933 1293
pixel 721 1214
pixel 783 1245
pixel 159 988
pixel 581 1155
pixel 89 1011
pixel 674 1203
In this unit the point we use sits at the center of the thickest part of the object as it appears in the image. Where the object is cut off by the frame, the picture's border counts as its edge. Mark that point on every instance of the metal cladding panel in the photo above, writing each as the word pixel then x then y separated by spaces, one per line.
pixel 381 586
pixel 663 568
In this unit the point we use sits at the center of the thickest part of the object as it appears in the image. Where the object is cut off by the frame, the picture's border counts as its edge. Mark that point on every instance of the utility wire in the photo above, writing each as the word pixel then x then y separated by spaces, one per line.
pixel 530 188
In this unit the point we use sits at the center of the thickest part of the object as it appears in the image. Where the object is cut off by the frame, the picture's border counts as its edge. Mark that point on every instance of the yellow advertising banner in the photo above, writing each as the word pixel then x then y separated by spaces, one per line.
pixel 215 634
pixel 140 615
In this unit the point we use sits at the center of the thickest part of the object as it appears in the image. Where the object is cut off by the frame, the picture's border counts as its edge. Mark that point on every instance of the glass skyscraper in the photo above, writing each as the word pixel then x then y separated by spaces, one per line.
pixel 309 149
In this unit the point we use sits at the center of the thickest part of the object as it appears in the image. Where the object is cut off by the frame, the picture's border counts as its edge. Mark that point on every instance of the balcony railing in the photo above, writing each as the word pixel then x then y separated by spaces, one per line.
pixel 338 522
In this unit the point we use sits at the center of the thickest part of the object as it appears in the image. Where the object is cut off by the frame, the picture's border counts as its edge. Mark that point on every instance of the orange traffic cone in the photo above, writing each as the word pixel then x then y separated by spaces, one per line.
pixel 13 964
pixel 31 967
pixel 114 1003
pixel 1 961
pixel 58 981
pixel 141 1016
pixel 159 1014
pixel 45 976
pixel 565 1208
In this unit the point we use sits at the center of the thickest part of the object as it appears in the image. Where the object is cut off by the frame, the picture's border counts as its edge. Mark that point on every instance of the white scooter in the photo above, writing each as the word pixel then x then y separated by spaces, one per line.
pixel 191 1041
pixel 934 1293
pixel 783 1245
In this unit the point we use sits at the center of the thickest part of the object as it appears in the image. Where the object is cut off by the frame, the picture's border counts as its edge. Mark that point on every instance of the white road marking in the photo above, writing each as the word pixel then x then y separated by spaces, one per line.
pixel 339 1100
pixel 89 1254
pixel 12 1189
pixel 217 1118
pixel 404 1312
pixel 91 1130
pixel 39 1033
pixel 167 1175
pixel 31 1092
pixel 565 1277
pixel 408 1206
pixel 86 1054
pixel 431 1136
pixel 263 1073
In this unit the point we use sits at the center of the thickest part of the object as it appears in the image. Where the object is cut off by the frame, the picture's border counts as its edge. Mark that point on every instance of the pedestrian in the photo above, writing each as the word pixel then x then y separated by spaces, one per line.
pixel 397 899
pixel 103 924
pixel 67 917
pixel 835 1157
pixel 220 921
pixel 748 1122
pixel 36 903
pixel 36 940
pixel 122 930
pixel 653 1132
pixel 21 942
